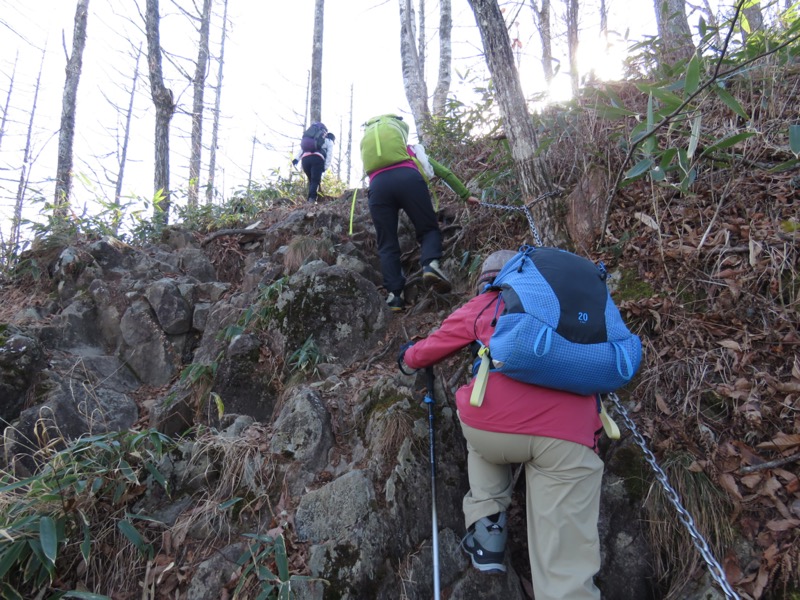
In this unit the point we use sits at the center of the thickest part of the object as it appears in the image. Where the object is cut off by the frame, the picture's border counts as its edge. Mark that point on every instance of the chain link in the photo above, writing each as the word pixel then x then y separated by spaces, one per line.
pixel 524 209
pixel 700 543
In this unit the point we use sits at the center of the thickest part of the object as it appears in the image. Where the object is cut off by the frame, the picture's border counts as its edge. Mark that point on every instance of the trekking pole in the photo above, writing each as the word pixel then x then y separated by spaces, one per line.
pixel 429 400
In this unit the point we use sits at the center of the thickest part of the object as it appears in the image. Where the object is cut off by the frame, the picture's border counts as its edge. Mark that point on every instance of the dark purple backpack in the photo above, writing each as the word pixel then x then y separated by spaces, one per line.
pixel 314 138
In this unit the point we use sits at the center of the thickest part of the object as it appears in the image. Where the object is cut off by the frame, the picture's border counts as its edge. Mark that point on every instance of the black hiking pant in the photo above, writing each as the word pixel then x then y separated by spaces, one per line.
pixel 404 189
pixel 313 167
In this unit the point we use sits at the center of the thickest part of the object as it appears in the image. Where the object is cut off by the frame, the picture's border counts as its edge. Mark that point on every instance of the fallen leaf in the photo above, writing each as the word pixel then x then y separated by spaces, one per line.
pixel 657 318
pixel 732 344
pixel 748 456
pixel 729 483
pixel 771 553
pixel 647 220
pixel 695 467
pixel 771 486
pixel 662 404
pixel 752 480
pixel 761 581
pixel 733 572
pixel 781 442
pixel 789 387
pixel 275 532
pixel 725 390
pixel 783 524
pixel 734 287
pixel 782 509
pixel 755 250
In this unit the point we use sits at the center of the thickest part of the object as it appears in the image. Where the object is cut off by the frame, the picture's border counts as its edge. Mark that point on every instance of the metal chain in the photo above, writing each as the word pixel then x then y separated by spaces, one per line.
pixel 700 543
pixel 524 209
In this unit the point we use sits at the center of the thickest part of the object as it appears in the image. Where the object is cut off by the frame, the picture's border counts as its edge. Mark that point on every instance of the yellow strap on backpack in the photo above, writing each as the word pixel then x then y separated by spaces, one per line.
pixel 482 378
pixel 609 426
pixel 352 211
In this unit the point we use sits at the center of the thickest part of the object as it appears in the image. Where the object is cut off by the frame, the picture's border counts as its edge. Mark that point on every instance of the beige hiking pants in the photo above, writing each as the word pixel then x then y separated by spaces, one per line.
pixel 563 505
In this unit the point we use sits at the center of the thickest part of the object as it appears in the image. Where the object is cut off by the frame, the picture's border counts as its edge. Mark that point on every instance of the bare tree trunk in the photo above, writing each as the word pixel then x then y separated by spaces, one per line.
pixel 421 38
pixel 755 20
pixel 124 155
pixel 212 162
pixel 67 131
pixel 11 88
pixel 604 21
pixel 413 75
pixel 339 152
pixel 542 19
pixel 445 57
pixel 572 45
pixel 514 110
pixel 308 100
pixel 350 139
pixel 16 221
pixel 603 33
pixel 711 19
pixel 250 170
pixel 199 88
pixel 165 108
pixel 315 110
pixel 673 29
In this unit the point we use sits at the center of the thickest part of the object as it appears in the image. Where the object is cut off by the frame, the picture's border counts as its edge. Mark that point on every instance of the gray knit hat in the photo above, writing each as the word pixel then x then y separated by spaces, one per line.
pixel 492 265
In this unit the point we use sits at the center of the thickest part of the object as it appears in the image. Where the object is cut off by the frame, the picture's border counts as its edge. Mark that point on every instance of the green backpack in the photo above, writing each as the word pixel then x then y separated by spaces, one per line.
pixel 384 142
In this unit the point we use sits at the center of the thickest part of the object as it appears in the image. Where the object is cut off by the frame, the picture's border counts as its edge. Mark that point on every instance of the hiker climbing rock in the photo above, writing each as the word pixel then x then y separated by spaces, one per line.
pixel 552 433
pixel 398 175
pixel 315 154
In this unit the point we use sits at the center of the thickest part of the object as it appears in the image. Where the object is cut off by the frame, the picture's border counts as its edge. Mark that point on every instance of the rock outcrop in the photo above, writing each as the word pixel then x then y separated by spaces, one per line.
pixel 297 353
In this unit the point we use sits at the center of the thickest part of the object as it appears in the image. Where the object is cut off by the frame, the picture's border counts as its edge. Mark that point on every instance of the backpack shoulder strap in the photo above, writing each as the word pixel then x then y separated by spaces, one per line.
pixel 496 302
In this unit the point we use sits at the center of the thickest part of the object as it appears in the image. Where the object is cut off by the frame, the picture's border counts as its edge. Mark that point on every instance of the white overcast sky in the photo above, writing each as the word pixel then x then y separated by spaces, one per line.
pixel 267 62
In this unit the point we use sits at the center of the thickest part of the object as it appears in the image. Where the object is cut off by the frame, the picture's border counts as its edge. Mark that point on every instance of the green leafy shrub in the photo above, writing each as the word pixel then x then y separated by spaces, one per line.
pixel 265 569
pixel 306 357
pixel 55 519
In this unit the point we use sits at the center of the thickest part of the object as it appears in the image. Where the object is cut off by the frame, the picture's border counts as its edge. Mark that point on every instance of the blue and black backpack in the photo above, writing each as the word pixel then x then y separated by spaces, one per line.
pixel 560 328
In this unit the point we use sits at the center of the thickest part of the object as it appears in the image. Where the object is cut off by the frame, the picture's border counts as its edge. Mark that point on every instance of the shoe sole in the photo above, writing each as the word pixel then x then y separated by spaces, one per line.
pixel 488 568
pixel 432 280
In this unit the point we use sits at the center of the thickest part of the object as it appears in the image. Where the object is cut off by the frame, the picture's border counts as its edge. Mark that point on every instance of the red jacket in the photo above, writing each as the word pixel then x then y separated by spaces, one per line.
pixel 509 406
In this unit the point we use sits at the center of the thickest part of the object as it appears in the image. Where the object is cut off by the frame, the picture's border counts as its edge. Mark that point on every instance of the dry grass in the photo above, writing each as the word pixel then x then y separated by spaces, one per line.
pixel 397 428
pixel 23 294
pixel 304 249
pixel 235 479
pixel 710 510
pixel 235 466
pixel 226 255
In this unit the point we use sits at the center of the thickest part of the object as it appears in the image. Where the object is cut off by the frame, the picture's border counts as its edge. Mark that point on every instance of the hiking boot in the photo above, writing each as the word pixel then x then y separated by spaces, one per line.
pixel 396 301
pixel 434 277
pixel 485 543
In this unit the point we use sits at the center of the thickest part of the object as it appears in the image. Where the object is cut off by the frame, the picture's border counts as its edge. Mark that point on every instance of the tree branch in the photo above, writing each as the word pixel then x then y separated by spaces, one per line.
pixel 670 117
pixel 778 462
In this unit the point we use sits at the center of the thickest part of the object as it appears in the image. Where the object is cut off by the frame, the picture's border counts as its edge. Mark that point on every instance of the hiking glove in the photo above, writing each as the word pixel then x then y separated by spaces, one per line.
pixel 402 355
pixel 294 162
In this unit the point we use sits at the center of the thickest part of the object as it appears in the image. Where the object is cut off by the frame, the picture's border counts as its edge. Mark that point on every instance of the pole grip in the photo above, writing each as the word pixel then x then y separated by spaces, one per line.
pixel 429 397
